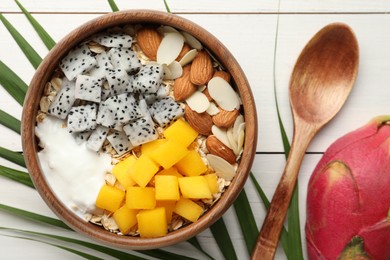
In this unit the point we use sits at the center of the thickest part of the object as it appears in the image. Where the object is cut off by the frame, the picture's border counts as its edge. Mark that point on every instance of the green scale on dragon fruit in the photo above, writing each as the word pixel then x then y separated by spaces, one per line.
pixel 78 61
pixel 141 131
pixel 97 138
pixel 120 142
pixel 103 65
pixel 118 110
pixel 82 118
pixel 165 111
pixel 119 81
pixel 88 88
pixel 124 58
pixel 148 79
pixel 118 40
pixel 64 99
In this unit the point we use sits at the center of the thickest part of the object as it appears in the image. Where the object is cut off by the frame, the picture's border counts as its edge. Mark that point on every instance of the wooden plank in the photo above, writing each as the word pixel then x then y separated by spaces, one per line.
pixel 203 6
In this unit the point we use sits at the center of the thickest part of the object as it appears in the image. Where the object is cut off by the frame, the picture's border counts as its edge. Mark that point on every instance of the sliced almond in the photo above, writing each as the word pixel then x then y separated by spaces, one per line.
pixel 166 29
pixel 216 147
pixel 225 118
pixel 188 57
pixel 201 69
pixel 170 47
pixel 223 94
pixel 201 122
pixel 222 74
pixel 176 70
pixel 237 123
pixel 149 41
pixel 183 87
pixel 167 72
pixel 222 168
pixel 221 134
pixel 232 141
pixel 192 41
pixel 198 102
pixel 186 48
pixel 240 137
pixel 212 110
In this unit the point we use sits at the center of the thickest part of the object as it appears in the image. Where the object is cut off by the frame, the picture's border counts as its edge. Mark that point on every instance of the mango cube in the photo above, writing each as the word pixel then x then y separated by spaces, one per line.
pixel 212 182
pixel 152 222
pixel 167 187
pixel 169 153
pixel 140 198
pixel 109 198
pixel 125 218
pixel 121 171
pixel 149 147
pixel 171 171
pixel 182 132
pixel 195 187
pixel 188 209
pixel 192 164
pixel 143 170
pixel 169 206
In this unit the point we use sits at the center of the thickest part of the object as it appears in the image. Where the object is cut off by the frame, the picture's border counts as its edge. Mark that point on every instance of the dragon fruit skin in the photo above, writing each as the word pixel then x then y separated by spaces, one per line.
pixel 349 194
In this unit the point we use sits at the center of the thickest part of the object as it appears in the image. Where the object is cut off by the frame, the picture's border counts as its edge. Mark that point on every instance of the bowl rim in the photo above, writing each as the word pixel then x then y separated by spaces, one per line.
pixel 51 61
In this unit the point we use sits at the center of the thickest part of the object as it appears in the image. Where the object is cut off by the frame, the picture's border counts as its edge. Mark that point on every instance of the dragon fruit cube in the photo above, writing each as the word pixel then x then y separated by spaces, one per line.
pixel 64 99
pixel 77 62
pixel 88 88
pixel 103 65
pixel 120 142
pixel 119 82
pixel 118 40
pixel 166 110
pixel 82 118
pixel 141 131
pixel 97 138
pixel 124 58
pixel 148 79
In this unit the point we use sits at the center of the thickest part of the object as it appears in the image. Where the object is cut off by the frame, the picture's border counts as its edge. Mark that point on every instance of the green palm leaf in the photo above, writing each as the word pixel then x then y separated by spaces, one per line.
pixel 9 121
pixel 46 38
pixel 113 5
pixel 12 156
pixel 12 83
pixel 246 220
pixel 222 237
pixel 195 243
pixel 19 176
pixel 79 253
pixel 30 53
pixel 166 6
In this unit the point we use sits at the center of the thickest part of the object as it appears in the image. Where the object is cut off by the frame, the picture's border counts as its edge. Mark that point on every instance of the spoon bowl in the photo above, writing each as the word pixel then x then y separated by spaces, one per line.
pixel 321 81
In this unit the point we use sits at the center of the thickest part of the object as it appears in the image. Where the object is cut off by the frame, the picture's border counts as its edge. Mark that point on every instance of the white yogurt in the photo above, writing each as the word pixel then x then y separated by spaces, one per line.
pixel 74 172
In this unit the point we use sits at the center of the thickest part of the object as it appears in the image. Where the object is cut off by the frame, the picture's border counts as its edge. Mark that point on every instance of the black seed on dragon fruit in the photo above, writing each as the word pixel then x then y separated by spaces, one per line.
pixel 165 111
pixel 106 93
pixel 88 88
pixel 63 100
pixel 120 142
pixel 148 79
pixel 77 62
pixel 119 81
pixel 141 131
pixel 118 110
pixel 82 118
pixel 81 137
pixel 124 58
pixel 103 64
pixel 97 138
pixel 118 40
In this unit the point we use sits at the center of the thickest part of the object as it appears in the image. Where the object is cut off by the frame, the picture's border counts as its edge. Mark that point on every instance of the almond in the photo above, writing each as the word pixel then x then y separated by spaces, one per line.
pixel 201 69
pixel 149 40
pixel 186 48
pixel 225 118
pixel 183 87
pixel 222 74
pixel 201 122
pixel 217 148
pixel 206 92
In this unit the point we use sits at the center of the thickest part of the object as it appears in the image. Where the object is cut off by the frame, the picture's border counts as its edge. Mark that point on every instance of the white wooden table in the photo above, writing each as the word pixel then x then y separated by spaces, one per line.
pixel 248 29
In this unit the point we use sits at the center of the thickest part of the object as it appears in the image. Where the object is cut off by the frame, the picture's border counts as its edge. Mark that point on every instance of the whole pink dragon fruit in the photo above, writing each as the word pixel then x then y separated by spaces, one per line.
pixel 348 197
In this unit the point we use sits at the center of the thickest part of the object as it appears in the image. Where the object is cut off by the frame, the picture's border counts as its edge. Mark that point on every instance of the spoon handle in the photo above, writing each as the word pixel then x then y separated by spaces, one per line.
pixel 268 238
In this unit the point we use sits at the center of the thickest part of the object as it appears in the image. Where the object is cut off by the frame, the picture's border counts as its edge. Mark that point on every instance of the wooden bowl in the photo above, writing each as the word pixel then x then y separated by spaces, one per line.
pixel 44 74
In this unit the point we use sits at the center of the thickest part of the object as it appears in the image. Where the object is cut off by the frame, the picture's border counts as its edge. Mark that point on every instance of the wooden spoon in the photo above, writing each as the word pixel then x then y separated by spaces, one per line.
pixel 320 83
